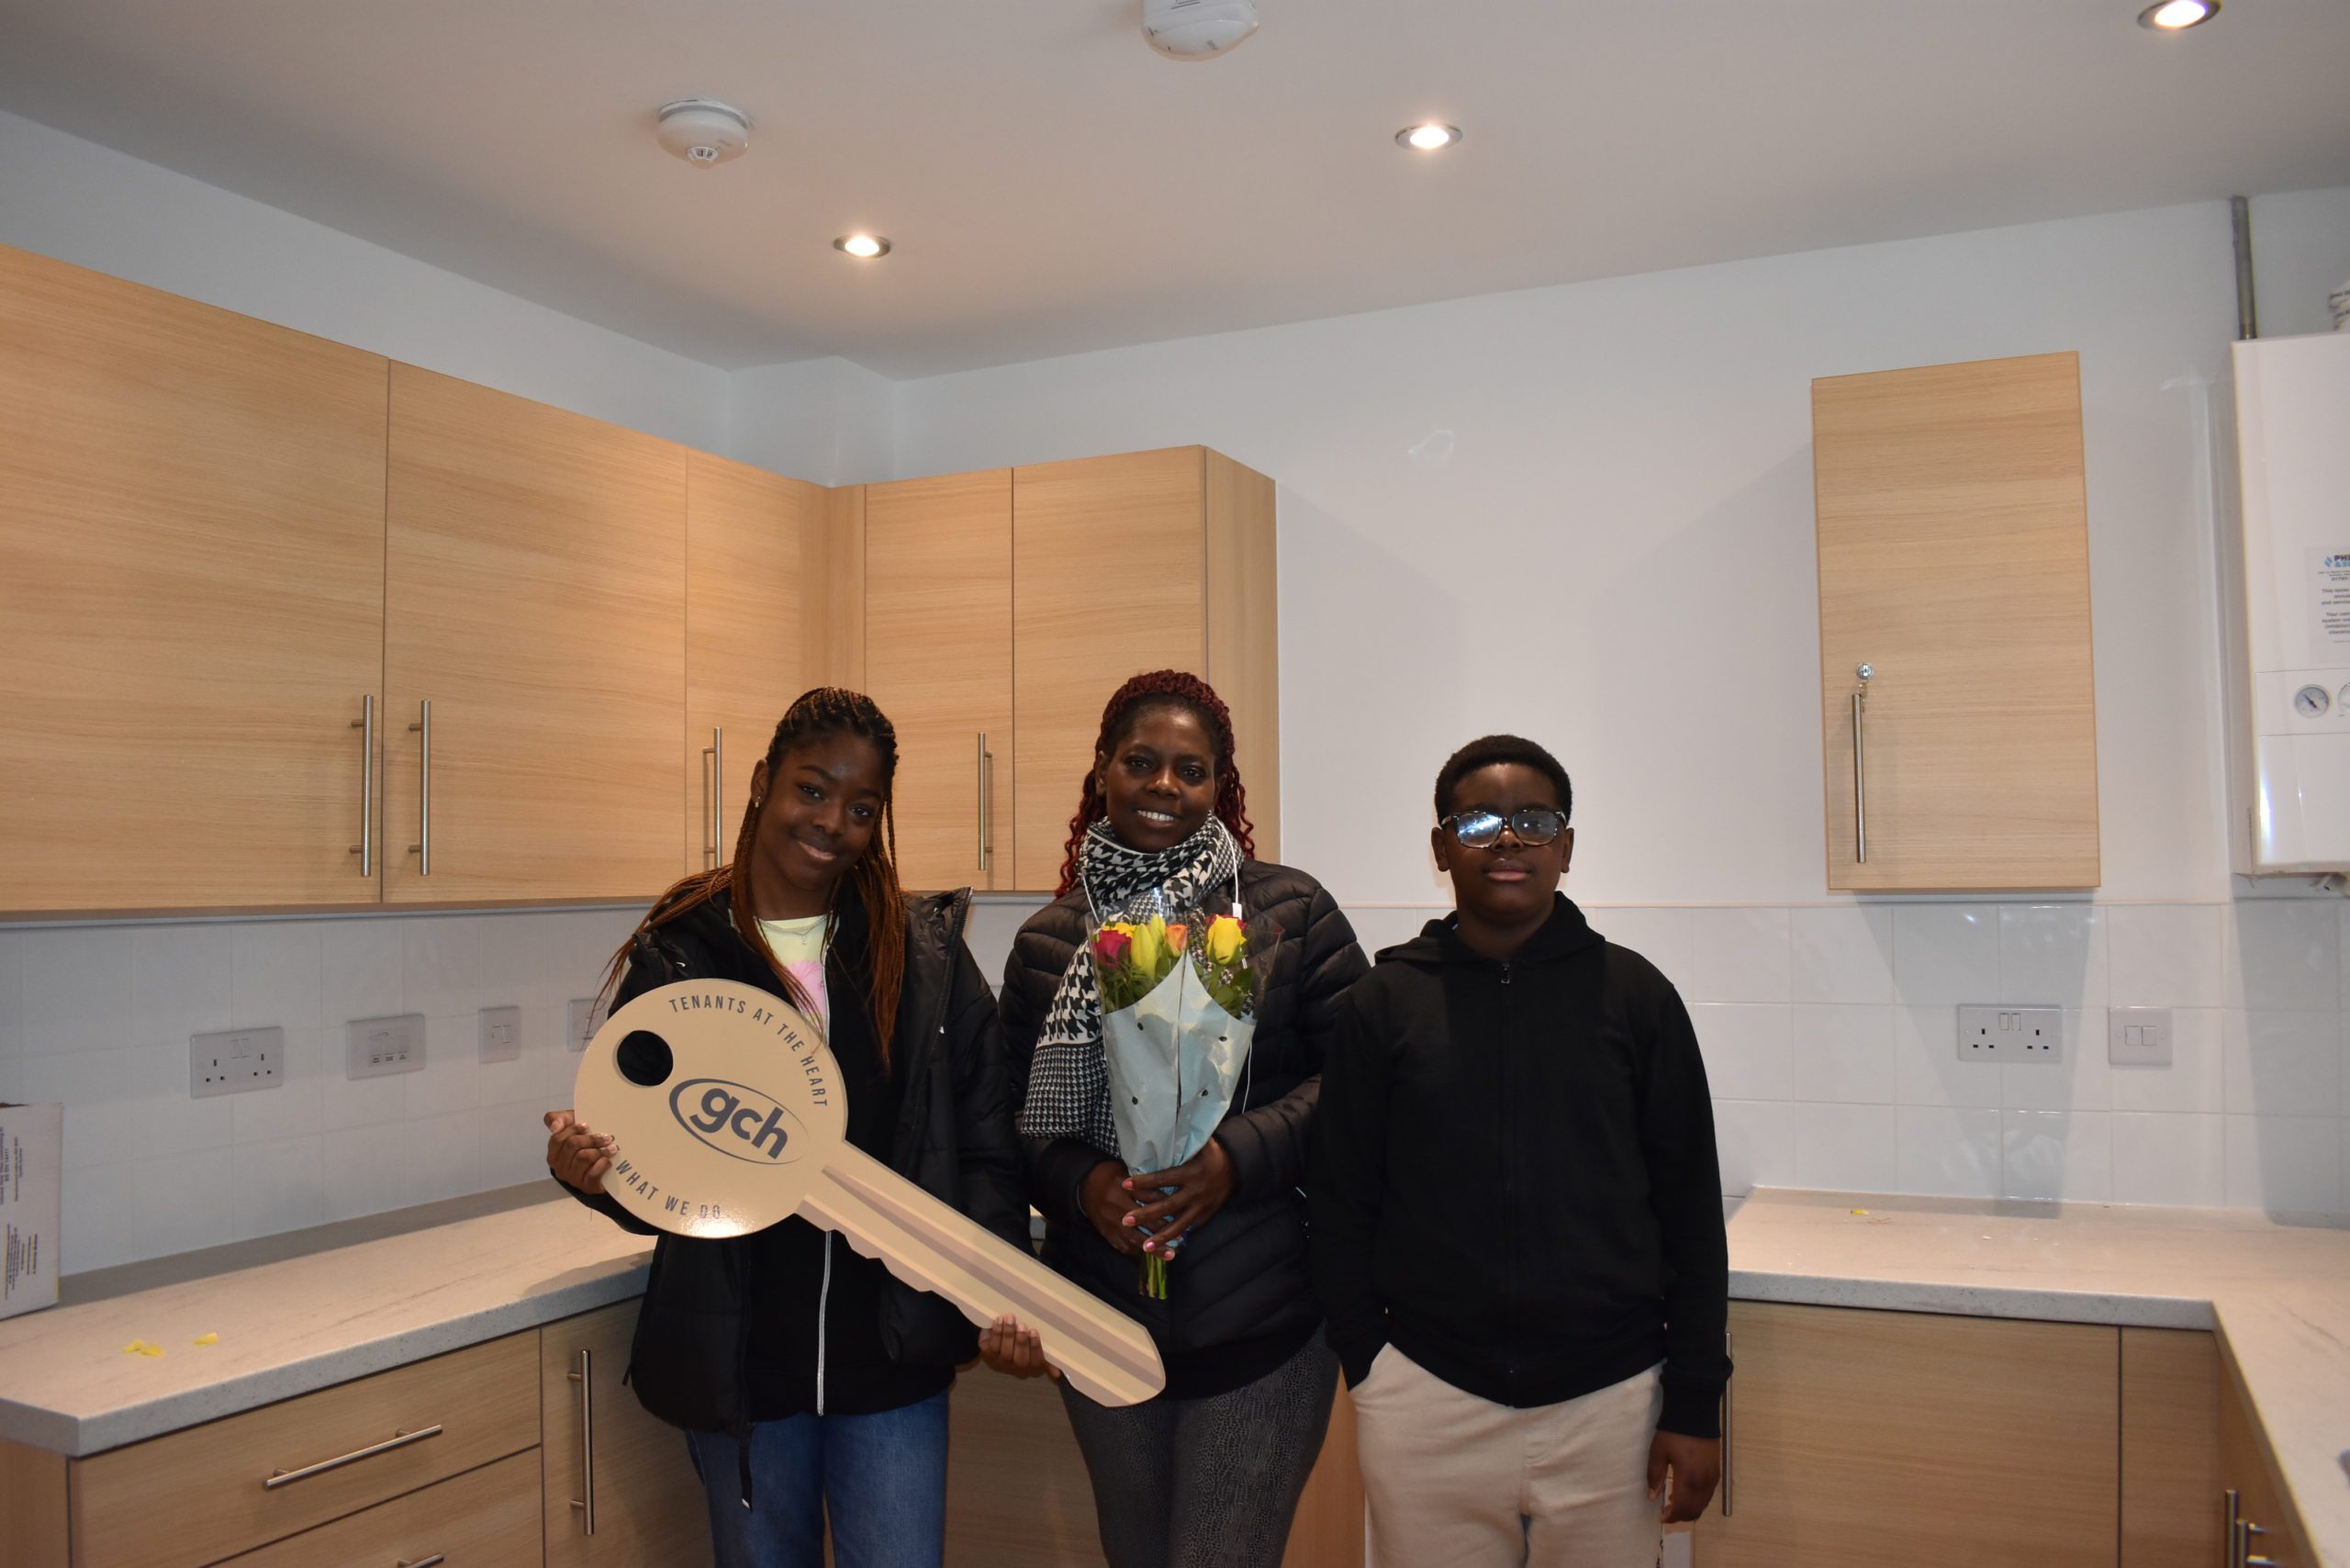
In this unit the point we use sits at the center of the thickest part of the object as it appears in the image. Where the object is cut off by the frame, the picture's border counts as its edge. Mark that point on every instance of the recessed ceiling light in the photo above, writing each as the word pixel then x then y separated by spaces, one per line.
pixel 2178 15
pixel 1435 136
pixel 864 247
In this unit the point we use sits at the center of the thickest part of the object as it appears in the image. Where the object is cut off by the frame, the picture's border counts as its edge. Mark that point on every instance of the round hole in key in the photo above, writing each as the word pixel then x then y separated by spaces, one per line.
pixel 645 1058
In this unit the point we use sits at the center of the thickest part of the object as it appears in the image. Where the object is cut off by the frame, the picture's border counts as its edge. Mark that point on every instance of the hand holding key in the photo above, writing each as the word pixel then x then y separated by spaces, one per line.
pixel 730 1117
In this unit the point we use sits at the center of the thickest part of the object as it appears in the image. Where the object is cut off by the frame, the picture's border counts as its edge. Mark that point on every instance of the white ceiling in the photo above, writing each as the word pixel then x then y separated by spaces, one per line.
pixel 1053 186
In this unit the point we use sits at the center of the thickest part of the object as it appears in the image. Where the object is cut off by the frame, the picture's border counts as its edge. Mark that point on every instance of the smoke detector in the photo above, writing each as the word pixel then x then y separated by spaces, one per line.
pixel 1197 29
pixel 704 131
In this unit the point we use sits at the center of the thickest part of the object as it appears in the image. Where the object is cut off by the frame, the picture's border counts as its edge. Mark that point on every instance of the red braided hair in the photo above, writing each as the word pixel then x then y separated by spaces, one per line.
pixel 1163 688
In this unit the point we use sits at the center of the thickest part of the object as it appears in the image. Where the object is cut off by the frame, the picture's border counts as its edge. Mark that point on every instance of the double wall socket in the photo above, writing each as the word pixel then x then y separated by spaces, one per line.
pixel 2010 1033
pixel 235 1060
pixel 375 1047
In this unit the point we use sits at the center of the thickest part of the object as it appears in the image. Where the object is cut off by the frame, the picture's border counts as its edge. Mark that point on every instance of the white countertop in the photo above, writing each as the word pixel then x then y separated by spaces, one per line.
pixel 299 1312
pixel 2277 1291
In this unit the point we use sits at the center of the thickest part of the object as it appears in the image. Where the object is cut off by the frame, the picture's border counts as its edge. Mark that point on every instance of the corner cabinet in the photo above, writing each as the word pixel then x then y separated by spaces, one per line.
pixel 191 602
pixel 1125 564
pixel 1954 571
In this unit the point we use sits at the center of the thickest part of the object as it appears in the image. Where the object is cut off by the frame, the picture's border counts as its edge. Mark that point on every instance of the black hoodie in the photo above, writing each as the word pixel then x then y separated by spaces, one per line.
pixel 1514 1174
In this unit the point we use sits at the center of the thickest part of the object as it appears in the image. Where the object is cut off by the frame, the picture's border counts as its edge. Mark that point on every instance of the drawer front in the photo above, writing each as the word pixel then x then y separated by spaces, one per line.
pixel 484 1519
pixel 202 1494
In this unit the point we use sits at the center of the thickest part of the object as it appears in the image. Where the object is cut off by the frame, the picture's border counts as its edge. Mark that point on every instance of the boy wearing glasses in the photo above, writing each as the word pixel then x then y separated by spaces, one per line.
pixel 1517 1211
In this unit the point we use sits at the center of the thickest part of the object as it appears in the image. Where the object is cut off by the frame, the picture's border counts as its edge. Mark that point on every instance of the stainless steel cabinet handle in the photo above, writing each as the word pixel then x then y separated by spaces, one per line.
pixel 2231 1508
pixel 711 843
pixel 423 847
pixel 277 1478
pixel 366 725
pixel 1728 1346
pixel 432 1561
pixel 2247 1558
pixel 1860 764
pixel 586 1501
pixel 986 804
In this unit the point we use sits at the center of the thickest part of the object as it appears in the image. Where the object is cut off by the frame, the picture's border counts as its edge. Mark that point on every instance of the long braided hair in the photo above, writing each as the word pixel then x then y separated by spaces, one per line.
pixel 1162 689
pixel 819 714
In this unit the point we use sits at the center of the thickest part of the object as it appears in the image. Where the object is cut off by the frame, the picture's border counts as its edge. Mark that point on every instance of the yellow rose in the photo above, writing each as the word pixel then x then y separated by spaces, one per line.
pixel 1226 939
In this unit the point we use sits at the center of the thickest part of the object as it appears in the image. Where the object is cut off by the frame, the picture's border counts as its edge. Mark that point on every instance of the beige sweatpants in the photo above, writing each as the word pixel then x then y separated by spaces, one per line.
pixel 1453 1479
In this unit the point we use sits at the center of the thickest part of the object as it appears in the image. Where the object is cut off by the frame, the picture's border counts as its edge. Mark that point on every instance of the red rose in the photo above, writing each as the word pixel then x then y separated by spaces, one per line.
pixel 1110 946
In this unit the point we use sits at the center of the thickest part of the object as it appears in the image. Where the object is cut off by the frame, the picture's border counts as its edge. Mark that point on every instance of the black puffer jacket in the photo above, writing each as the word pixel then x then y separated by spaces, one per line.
pixel 1239 1300
pixel 954 1139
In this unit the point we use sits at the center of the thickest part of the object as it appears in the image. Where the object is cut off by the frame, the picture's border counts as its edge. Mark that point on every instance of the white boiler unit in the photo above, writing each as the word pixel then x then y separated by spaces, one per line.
pixel 2289 672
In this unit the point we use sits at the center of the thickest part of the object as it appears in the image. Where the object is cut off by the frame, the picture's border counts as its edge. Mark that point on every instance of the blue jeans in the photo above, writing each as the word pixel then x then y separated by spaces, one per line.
pixel 882 1479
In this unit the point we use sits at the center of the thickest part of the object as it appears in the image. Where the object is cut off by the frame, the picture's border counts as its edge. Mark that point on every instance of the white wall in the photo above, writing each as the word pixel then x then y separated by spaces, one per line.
pixel 825 421
pixel 1584 513
pixel 2300 253
pixel 79 202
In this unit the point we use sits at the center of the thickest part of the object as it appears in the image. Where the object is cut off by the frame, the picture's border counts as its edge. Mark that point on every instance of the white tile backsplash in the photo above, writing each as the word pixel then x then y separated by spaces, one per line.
pixel 2052 956
pixel 1841 1054
pixel 1946 953
pixel 1739 955
pixel 2177 1160
pixel 1830 1033
pixel 2166 955
pixel 2057 1154
pixel 1841 952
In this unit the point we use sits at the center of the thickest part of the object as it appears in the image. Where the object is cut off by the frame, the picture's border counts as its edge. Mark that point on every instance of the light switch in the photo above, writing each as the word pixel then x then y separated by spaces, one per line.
pixel 2138 1036
pixel 501 1034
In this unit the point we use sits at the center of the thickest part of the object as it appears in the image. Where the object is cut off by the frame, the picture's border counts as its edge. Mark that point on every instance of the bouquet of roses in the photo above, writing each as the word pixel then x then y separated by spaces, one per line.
pixel 1178 1010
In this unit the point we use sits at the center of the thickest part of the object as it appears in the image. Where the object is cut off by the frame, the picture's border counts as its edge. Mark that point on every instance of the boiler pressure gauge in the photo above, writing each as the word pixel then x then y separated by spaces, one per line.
pixel 2311 702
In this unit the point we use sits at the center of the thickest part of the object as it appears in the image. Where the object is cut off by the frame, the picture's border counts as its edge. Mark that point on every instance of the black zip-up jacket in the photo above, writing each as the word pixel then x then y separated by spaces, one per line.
pixel 1514 1179
pixel 1239 1302
pixel 725 1323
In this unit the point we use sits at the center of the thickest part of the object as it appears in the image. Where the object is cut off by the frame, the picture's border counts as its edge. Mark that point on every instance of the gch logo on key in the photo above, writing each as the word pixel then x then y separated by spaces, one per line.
pixel 726 1116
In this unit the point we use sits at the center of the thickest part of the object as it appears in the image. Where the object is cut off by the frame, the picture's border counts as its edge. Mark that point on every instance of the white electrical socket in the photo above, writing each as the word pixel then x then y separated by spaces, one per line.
pixel 373 1047
pixel 2138 1036
pixel 2011 1034
pixel 234 1061
pixel 586 1017
pixel 501 1034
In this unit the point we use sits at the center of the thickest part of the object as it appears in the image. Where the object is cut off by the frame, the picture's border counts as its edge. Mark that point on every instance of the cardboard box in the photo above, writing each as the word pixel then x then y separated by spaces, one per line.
pixel 32 1163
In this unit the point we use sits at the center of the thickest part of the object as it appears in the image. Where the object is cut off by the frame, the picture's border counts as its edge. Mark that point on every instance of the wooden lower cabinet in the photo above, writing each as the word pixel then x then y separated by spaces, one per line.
pixel 1860 1439
pixel 484 1519
pixel 198 1495
pixel 1017 1495
pixel 2270 1531
pixel 597 1437
pixel 1329 1529
pixel 2170 1448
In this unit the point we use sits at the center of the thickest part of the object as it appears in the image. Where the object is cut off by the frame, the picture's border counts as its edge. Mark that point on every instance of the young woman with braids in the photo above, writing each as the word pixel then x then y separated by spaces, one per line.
pixel 1210 1471
pixel 811 1383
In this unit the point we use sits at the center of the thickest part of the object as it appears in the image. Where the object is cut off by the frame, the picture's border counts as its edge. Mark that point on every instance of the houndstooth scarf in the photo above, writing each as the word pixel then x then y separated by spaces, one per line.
pixel 1068 1086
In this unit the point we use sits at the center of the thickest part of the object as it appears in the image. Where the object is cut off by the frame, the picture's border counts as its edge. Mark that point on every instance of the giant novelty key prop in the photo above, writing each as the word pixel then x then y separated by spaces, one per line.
pixel 730 1116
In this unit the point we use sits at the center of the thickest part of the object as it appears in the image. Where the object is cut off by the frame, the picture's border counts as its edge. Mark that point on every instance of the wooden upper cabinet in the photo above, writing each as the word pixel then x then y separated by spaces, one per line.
pixel 750 536
pixel 1953 561
pixel 938 658
pixel 191 601
pixel 1144 561
pixel 1858 1439
pixel 535 594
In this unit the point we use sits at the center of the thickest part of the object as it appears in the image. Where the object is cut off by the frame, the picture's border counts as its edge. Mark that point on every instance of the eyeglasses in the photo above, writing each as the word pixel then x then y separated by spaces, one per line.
pixel 1533 826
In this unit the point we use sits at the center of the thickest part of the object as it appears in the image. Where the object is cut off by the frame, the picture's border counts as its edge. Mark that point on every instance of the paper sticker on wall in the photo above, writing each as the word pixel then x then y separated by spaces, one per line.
pixel 2329 580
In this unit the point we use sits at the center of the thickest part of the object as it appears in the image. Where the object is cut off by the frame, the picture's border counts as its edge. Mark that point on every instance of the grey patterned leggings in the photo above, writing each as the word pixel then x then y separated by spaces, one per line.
pixel 1207 1482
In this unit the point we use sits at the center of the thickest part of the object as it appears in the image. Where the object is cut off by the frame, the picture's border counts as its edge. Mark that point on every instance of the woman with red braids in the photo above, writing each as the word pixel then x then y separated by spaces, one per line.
pixel 1210 1471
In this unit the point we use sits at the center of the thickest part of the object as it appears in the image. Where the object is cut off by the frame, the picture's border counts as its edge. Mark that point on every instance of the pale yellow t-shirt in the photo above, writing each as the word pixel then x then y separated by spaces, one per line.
pixel 799 948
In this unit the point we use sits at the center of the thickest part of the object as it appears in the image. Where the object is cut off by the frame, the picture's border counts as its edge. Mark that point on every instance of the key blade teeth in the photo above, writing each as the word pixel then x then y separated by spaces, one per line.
pixel 1103 1353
